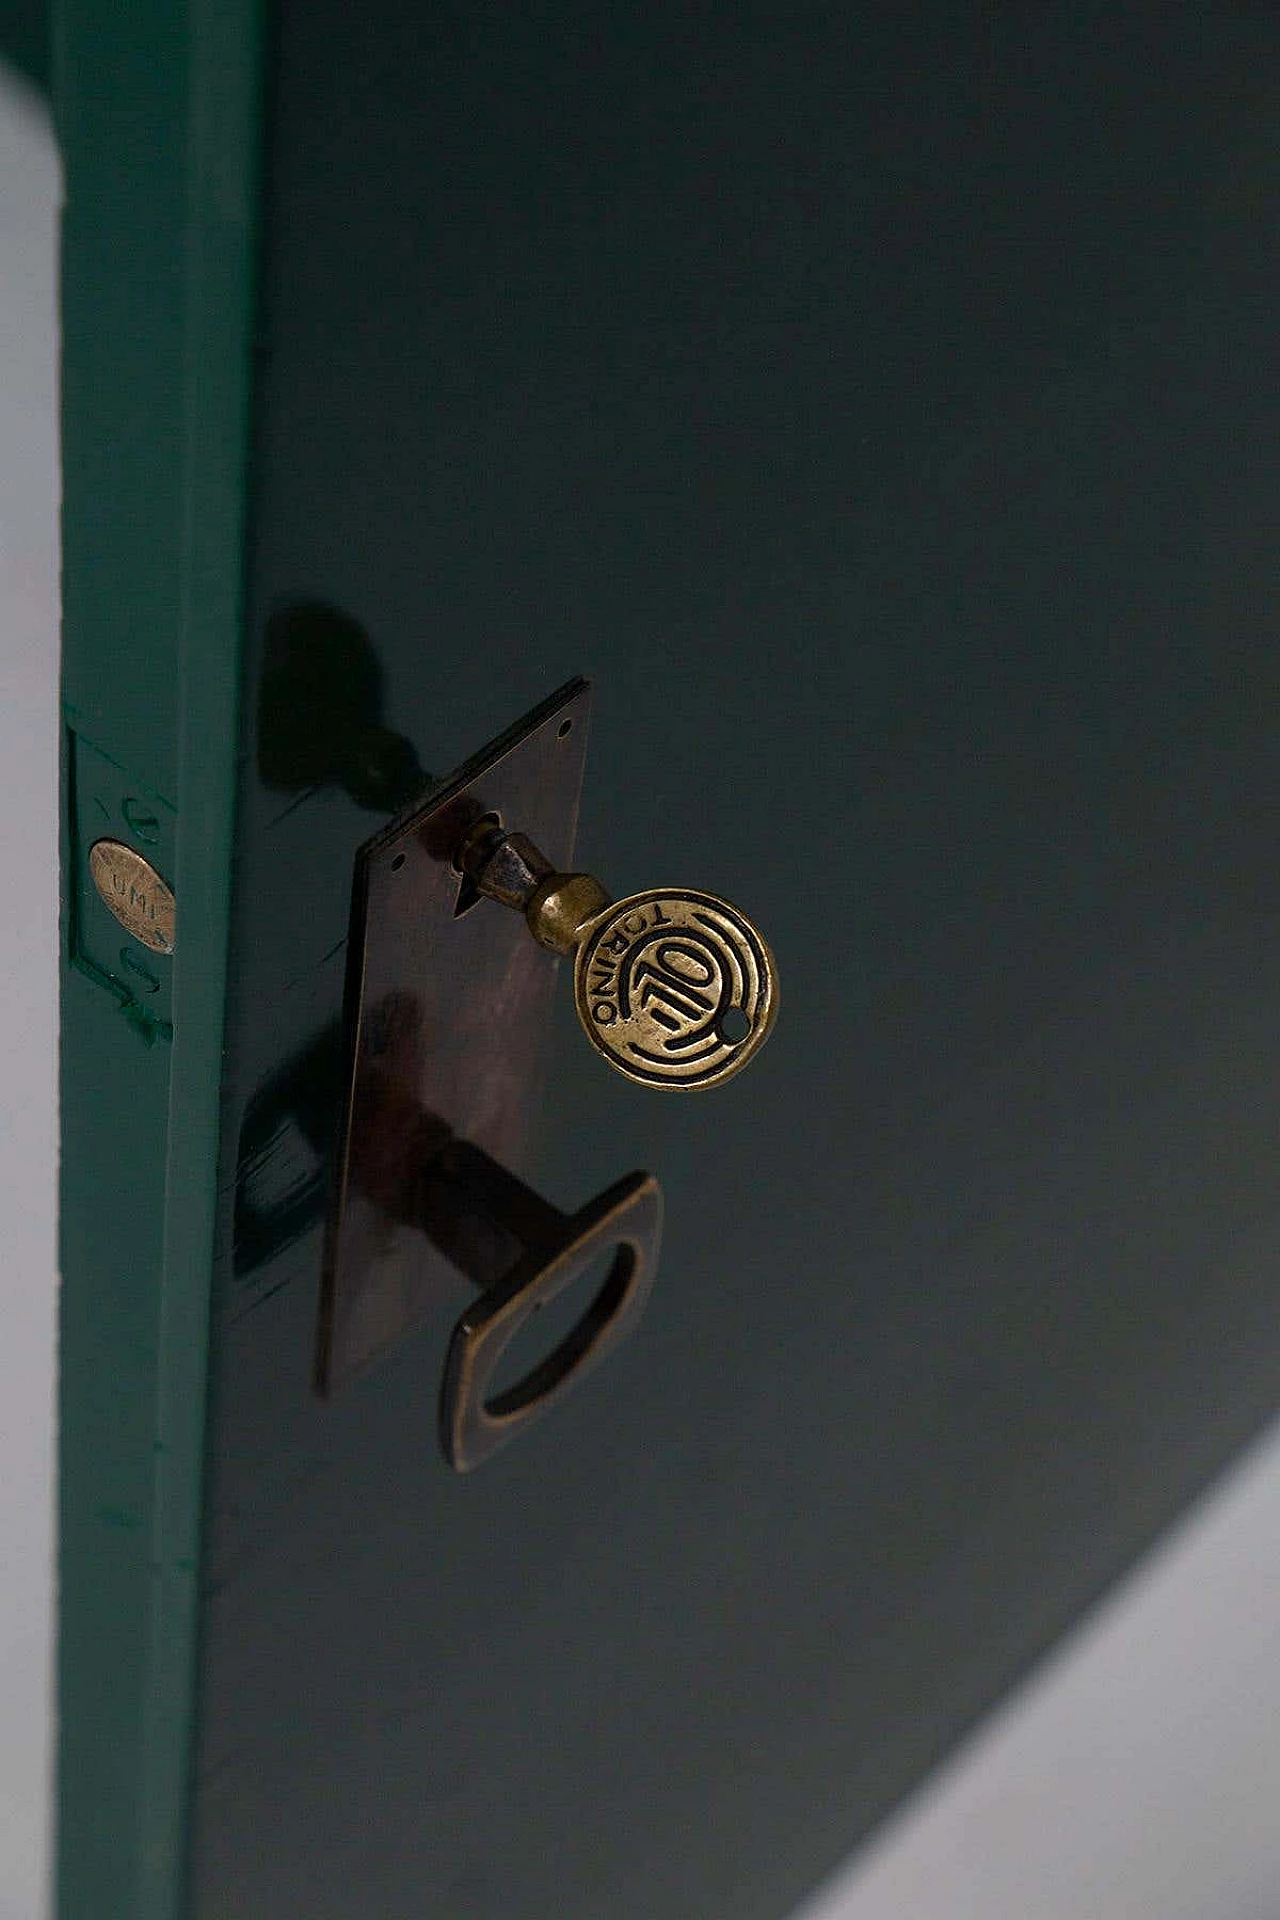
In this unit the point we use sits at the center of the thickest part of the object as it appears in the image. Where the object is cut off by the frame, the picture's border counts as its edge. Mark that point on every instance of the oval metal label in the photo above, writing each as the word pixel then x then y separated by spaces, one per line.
pixel 141 901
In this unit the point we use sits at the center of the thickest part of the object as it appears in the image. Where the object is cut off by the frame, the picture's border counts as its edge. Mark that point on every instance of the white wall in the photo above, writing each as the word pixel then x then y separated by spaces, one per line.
pixel 1137 1777
pixel 28 986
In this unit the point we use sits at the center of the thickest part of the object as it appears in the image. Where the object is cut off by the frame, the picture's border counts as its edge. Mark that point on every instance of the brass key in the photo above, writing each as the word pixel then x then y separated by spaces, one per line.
pixel 674 987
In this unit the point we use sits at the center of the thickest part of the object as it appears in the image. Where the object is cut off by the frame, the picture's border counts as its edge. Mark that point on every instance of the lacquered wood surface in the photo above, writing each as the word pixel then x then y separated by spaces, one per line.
pixel 880 407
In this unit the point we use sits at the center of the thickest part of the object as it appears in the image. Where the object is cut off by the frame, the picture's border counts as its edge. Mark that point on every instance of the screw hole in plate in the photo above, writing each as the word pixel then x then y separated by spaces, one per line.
pixel 397 863
pixel 566 726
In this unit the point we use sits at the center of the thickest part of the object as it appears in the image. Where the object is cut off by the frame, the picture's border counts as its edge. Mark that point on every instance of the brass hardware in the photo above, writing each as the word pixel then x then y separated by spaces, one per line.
pixel 445 1022
pixel 141 901
pixel 447 1017
pixel 521 1252
pixel 472 1206
pixel 676 988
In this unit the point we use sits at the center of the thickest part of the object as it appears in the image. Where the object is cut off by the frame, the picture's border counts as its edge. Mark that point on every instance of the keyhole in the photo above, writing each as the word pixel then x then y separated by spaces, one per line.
pixel 468 892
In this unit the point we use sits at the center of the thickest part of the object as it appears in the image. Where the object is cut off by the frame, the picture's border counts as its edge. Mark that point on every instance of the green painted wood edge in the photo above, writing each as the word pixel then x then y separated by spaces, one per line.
pixel 158 107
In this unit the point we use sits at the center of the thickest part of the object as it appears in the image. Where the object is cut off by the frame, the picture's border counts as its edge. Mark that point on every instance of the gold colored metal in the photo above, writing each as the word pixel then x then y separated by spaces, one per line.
pixel 464 1188
pixel 676 988
pixel 562 909
pixel 141 901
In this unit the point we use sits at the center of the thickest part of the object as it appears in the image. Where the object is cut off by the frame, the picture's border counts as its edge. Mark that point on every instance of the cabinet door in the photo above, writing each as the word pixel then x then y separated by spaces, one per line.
pixel 876 405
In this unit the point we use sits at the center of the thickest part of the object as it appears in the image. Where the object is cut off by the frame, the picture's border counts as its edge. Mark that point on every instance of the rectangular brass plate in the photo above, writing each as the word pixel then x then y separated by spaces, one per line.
pixel 446 1019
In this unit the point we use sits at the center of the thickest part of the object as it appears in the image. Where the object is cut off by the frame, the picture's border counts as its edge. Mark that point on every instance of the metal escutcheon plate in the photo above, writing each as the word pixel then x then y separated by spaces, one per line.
pixel 448 1010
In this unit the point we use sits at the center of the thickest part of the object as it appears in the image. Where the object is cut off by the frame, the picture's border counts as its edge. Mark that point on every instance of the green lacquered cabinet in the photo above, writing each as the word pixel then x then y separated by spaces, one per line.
pixel 878 406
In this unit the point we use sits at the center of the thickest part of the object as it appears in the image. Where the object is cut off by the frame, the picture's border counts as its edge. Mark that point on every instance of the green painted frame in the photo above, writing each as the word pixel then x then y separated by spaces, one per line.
pixel 158 109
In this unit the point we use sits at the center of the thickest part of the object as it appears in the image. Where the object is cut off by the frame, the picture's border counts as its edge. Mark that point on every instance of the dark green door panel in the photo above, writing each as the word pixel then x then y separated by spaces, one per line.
pixel 872 402
pixel 877 404
pixel 25 39
pixel 157 107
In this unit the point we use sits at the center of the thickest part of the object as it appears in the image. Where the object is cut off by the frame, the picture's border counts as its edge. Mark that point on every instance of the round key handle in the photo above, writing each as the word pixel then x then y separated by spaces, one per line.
pixel 675 987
